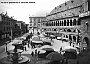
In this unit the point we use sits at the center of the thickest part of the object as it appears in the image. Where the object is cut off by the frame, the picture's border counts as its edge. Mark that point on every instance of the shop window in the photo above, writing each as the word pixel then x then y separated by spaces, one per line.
pixel 70 22
pixel 74 22
pixel 64 22
pixel 67 22
pixel 79 22
pixel 54 29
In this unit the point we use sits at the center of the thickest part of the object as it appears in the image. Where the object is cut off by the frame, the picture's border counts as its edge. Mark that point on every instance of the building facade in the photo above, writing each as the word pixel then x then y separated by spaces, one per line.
pixel 36 24
pixel 27 27
pixel 9 27
pixel 69 20
pixel 22 27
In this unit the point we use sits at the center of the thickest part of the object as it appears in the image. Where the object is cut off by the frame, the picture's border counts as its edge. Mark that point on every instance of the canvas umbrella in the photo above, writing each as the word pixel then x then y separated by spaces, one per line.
pixel 45 46
pixel 70 52
pixel 23 37
pixel 55 56
pixel 42 36
pixel 36 36
pixel 37 42
pixel 70 49
pixel 52 36
pixel 46 40
pixel 48 49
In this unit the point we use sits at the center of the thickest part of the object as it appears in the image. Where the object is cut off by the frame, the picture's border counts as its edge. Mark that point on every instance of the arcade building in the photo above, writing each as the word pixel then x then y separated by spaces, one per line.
pixel 70 20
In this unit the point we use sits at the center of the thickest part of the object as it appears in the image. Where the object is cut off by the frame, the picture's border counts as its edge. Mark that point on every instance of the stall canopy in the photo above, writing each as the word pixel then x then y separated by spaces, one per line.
pixel 55 56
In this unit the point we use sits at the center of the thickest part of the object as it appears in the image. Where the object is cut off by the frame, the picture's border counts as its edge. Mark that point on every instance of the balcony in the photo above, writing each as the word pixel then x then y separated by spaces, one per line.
pixel 61 26
pixel 66 33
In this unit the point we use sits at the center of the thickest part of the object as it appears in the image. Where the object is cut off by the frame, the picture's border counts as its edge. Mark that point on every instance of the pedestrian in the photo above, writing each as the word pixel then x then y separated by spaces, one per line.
pixel 32 53
pixel 25 48
pixel 66 61
pixel 6 47
pixel 36 53
pixel 70 42
pixel 34 45
pixel 73 45
pixel 31 35
pixel 60 49
pixel 28 42
pixel 31 44
pixel 38 33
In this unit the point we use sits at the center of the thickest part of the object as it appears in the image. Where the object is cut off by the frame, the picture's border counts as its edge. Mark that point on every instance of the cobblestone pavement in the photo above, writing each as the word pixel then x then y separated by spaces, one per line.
pixel 56 45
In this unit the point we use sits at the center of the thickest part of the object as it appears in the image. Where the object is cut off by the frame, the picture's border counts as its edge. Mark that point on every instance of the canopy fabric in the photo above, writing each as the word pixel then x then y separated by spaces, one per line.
pixel 70 55
pixel 18 51
pixel 48 49
pixel 55 56
pixel 36 38
pixel 70 49
pixel 45 46
pixel 17 41
pixel 23 37
pixel 37 41
pixel 52 36
pixel 10 47
pixel 46 40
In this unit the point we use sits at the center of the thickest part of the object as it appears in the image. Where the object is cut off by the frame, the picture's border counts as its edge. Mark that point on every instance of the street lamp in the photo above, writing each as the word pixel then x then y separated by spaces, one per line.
pixel 11 31
pixel 6 45
pixel 11 34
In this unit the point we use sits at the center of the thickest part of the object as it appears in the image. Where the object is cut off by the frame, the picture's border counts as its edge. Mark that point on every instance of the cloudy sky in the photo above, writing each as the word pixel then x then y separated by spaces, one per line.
pixel 22 11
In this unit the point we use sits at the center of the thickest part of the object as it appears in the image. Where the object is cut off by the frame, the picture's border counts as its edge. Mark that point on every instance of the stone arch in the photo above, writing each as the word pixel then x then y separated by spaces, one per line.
pixel 70 37
pixel 60 23
pixel 64 22
pixel 74 22
pixel 55 29
pixel 68 30
pixel 74 38
pixel 66 36
pixel 86 44
pixel 74 30
pixel 70 22
pixel 86 40
pixel 57 23
pixel 67 22
pixel 51 23
pixel 54 23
